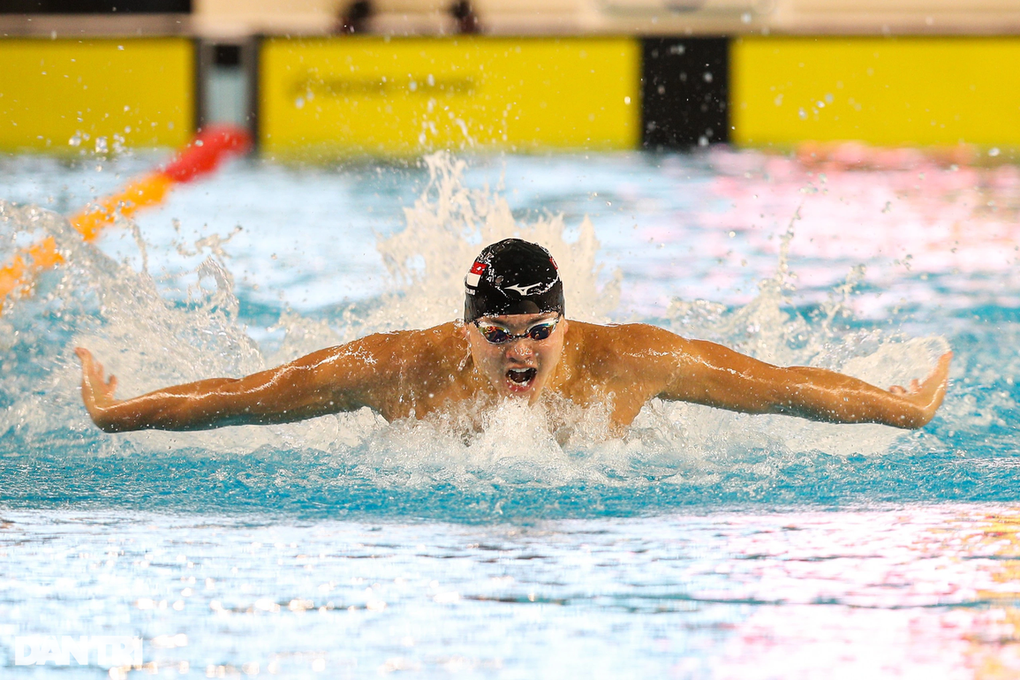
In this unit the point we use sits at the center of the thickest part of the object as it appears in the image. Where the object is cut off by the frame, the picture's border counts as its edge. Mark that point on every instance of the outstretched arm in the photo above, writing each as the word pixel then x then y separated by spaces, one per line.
pixel 711 374
pixel 331 380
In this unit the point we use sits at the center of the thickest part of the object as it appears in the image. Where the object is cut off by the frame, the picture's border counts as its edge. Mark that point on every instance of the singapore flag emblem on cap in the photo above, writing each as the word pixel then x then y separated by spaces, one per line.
pixel 477 269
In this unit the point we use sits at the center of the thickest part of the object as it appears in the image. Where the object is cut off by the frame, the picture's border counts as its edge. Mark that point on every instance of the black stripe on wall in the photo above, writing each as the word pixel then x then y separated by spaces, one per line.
pixel 685 92
pixel 95 6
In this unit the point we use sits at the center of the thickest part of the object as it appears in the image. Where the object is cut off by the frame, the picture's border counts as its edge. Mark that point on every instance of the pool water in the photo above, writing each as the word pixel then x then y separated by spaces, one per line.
pixel 703 544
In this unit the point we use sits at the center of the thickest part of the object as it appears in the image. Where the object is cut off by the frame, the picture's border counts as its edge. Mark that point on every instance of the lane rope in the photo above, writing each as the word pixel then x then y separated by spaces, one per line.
pixel 210 147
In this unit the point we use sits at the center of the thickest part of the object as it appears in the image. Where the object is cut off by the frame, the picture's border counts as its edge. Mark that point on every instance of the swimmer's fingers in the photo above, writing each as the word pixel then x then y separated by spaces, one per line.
pixel 91 370
pixel 914 388
pixel 936 380
pixel 933 389
pixel 939 377
pixel 930 393
pixel 95 389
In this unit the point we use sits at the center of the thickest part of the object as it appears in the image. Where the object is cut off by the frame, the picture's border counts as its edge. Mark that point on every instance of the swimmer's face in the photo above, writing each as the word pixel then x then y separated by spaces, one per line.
pixel 520 367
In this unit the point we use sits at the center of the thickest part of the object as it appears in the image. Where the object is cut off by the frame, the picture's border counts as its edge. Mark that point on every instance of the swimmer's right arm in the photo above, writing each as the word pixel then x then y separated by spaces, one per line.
pixel 328 381
pixel 706 373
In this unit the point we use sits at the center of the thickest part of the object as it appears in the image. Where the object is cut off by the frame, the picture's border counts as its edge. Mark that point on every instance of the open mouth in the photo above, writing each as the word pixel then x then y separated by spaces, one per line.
pixel 521 376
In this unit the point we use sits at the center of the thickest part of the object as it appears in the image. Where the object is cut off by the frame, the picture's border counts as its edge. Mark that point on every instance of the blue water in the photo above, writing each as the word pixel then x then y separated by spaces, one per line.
pixel 703 544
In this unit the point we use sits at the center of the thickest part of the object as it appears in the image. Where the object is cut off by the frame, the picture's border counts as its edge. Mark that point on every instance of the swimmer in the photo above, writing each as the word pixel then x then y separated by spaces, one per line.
pixel 514 342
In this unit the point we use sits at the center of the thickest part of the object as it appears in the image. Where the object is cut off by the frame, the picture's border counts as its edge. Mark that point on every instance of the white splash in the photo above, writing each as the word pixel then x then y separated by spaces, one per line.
pixel 149 342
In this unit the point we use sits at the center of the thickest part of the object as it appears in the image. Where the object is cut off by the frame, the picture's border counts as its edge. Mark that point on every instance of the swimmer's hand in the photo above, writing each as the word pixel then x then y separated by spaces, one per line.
pixel 928 395
pixel 96 392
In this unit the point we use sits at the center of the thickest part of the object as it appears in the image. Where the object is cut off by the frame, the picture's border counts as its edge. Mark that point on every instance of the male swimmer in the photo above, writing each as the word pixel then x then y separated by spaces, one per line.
pixel 513 343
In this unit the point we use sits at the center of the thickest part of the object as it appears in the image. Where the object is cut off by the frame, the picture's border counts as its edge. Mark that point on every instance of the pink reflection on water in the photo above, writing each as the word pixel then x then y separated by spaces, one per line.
pixel 851 643
pixel 903 213
pixel 961 218
pixel 921 593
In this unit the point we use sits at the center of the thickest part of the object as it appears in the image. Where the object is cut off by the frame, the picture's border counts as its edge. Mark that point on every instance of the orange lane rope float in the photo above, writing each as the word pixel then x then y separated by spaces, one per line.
pixel 205 152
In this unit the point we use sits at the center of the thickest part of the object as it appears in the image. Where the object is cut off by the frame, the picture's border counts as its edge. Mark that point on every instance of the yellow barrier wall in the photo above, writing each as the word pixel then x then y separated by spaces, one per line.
pixel 923 91
pixel 141 90
pixel 367 95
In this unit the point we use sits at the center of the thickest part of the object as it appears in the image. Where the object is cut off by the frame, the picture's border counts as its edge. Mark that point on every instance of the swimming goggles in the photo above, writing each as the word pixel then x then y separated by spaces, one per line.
pixel 498 335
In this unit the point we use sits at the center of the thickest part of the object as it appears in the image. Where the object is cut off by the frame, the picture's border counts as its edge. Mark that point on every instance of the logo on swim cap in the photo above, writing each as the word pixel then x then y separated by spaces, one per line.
pixel 512 277
pixel 524 290
pixel 477 269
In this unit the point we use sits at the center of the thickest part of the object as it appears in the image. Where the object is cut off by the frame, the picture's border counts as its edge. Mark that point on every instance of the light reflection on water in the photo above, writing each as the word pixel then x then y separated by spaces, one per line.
pixel 908 592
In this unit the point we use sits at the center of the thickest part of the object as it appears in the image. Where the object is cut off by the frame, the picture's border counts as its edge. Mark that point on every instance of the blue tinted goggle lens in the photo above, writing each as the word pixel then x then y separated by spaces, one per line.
pixel 498 335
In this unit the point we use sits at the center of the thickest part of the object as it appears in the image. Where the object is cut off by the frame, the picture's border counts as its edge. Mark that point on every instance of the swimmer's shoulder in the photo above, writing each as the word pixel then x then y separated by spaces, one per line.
pixel 613 348
pixel 428 349
pixel 442 338
pixel 615 338
pixel 404 348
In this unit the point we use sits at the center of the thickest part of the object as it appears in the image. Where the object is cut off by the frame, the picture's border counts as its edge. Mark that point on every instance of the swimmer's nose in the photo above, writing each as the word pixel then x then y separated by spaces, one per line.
pixel 520 348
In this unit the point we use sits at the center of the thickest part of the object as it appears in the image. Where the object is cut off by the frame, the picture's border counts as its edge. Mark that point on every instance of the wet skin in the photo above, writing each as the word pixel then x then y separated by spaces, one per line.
pixel 415 373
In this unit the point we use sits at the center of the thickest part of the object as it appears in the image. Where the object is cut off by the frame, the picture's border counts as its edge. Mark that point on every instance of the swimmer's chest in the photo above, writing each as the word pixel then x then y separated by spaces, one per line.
pixel 619 399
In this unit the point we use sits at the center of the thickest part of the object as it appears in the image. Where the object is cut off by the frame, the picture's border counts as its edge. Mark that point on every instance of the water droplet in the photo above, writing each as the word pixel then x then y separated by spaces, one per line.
pixel 746 17
pixel 802 114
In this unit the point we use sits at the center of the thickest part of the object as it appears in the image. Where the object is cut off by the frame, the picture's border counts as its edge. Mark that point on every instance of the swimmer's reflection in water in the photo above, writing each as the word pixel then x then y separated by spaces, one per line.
pixel 513 343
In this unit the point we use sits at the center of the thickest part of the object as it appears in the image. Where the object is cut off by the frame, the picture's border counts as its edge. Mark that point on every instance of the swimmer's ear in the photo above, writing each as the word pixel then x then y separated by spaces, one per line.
pixel 563 326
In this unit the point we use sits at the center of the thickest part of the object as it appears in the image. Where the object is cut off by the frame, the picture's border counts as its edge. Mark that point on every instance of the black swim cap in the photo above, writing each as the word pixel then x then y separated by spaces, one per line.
pixel 512 277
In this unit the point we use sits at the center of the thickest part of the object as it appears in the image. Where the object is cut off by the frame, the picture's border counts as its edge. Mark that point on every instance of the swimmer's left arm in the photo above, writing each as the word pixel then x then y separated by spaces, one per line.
pixel 710 374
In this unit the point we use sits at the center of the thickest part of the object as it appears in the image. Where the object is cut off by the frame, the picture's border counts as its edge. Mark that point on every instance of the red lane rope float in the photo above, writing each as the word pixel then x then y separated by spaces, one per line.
pixel 203 155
